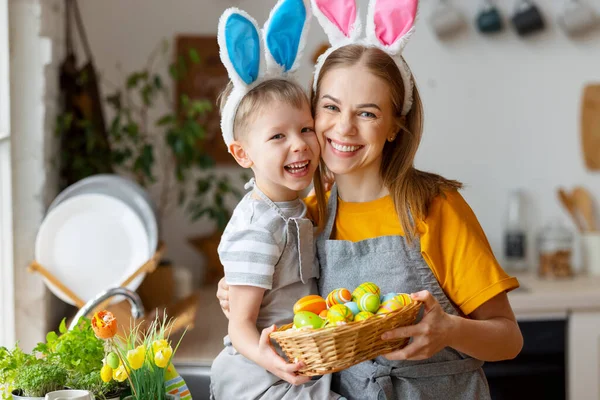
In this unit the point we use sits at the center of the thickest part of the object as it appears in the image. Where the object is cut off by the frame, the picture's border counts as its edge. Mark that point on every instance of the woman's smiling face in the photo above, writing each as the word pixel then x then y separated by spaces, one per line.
pixel 353 118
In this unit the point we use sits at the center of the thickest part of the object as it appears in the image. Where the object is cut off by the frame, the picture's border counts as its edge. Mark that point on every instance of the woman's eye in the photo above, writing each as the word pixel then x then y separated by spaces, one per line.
pixel 331 108
pixel 367 114
pixel 307 129
pixel 277 137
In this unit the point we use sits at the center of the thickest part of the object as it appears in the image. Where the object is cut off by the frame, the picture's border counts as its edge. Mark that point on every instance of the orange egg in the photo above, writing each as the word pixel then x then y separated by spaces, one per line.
pixel 313 303
pixel 338 296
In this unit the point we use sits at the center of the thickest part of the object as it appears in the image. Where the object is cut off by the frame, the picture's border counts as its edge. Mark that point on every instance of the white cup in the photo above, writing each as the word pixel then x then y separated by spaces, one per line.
pixel 590 252
pixel 577 18
pixel 446 20
pixel 70 395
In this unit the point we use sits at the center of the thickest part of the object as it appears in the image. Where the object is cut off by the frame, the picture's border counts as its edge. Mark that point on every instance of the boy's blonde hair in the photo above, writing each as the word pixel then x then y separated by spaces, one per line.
pixel 280 90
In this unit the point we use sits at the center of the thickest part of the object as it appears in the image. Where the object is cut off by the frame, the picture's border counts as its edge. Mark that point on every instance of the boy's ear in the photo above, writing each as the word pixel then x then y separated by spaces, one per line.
pixel 240 154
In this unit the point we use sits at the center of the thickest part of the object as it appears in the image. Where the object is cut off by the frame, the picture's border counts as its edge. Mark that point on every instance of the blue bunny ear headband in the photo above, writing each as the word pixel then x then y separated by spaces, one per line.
pixel 251 56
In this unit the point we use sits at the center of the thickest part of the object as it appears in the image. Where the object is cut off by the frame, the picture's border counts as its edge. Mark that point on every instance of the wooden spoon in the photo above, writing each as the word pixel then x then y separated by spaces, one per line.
pixel 569 204
pixel 583 201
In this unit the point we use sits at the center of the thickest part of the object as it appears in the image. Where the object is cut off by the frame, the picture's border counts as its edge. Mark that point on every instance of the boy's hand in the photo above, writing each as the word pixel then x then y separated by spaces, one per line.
pixel 272 362
pixel 223 296
pixel 429 336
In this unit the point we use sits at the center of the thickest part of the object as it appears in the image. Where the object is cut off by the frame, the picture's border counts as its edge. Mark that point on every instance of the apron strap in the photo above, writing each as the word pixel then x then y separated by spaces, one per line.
pixel 331 211
pixel 304 229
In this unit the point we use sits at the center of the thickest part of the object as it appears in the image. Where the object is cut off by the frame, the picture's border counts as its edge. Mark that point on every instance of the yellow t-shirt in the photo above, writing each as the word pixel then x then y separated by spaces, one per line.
pixel 452 243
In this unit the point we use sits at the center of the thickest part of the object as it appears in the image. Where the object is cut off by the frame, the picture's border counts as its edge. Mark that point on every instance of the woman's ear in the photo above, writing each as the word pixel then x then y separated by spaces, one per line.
pixel 240 154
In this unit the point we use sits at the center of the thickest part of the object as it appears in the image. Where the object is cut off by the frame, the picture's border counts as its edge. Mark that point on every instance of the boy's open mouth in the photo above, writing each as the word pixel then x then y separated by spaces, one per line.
pixel 298 168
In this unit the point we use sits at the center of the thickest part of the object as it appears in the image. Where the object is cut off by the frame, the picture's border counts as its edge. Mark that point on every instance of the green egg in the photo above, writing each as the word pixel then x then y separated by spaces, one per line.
pixel 307 318
pixel 112 360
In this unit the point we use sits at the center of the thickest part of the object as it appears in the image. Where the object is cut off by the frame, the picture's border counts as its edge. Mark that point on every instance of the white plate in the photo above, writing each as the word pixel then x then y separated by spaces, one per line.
pixel 123 189
pixel 91 242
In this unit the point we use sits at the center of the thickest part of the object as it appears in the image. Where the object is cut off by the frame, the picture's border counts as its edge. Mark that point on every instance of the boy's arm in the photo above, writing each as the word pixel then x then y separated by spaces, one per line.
pixel 245 304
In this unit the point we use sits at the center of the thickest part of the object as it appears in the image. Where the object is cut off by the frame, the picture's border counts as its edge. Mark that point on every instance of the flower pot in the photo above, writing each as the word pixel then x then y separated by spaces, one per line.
pixel 16 394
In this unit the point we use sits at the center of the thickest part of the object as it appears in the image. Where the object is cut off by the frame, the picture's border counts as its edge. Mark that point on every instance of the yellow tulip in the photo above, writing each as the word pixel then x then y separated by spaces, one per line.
pixel 163 356
pixel 106 373
pixel 159 344
pixel 120 374
pixel 136 357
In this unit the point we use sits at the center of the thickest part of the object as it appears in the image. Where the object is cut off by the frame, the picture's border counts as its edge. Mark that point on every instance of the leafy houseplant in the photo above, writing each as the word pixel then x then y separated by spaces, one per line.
pixel 38 378
pixel 144 144
pixel 11 362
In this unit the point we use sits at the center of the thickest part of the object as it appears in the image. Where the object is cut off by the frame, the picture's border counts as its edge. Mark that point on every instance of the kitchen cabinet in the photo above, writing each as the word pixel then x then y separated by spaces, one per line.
pixel 578 301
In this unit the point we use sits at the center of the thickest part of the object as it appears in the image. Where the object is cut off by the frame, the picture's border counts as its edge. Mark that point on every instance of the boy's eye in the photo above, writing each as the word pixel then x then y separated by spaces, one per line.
pixel 331 107
pixel 277 137
pixel 367 114
pixel 307 129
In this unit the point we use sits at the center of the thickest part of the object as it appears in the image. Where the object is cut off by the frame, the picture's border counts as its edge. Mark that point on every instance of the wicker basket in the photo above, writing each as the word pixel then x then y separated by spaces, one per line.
pixel 335 348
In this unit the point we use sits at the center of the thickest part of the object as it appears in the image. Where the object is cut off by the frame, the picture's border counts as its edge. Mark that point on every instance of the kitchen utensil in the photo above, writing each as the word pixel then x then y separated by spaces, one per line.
pixel 567 202
pixel 590 126
pixel 36 267
pixel 577 18
pixel 446 20
pixel 527 18
pixel 91 242
pixel 584 203
pixel 123 189
pixel 590 246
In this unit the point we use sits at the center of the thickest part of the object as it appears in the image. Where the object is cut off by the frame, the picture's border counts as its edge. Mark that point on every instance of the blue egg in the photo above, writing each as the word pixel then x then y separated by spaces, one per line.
pixel 387 297
pixel 353 307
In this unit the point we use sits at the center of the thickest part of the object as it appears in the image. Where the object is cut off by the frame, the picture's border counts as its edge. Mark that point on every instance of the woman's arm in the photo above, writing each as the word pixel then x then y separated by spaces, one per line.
pixel 490 334
pixel 245 305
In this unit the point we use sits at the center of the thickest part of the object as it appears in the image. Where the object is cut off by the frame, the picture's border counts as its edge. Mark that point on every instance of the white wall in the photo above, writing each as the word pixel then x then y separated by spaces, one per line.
pixel 501 112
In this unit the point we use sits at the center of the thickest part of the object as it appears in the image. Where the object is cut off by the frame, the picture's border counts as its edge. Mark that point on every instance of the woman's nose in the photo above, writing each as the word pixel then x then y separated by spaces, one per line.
pixel 345 126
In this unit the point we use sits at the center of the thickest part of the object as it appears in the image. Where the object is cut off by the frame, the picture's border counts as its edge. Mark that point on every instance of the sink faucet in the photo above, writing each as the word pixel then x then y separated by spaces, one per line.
pixel 137 308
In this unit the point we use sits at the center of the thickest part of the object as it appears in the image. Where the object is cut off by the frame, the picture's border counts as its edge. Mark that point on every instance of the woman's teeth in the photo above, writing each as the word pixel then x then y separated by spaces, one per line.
pixel 340 147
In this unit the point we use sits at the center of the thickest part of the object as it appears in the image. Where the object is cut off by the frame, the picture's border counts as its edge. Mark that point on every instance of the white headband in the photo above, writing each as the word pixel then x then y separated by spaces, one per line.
pixel 251 56
pixel 390 23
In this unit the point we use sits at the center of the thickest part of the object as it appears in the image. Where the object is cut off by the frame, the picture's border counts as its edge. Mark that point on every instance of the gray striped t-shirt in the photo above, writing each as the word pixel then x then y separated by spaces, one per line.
pixel 254 240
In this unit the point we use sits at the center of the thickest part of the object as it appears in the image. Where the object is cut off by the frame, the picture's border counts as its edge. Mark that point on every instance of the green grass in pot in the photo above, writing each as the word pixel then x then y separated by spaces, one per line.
pixel 11 363
pixel 37 379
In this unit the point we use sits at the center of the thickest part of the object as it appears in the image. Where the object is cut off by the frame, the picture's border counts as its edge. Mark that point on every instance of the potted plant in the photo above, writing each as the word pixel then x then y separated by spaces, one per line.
pixel 81 353
pixel 11 361
pixel 143 358
pixel 37 378
pixel 171 146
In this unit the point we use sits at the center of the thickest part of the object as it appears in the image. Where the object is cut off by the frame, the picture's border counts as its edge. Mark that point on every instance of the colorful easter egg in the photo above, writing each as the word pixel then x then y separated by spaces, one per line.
pixel 363 288
pixel 338 296
pixel 353 307
pixel 369 302
pixel 339 312
pixel 313 303
pixel 403 298
pixel 388 296
pixel 323 314
pixel 389 306
pixel 361 316
pixel 307 318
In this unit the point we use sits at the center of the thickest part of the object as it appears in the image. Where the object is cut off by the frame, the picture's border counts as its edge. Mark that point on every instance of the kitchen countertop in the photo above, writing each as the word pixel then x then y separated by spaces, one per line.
pixel 542 298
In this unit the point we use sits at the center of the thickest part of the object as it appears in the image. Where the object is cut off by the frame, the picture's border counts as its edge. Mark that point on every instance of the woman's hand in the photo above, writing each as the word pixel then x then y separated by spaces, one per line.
pixel 272 362
pixel 223 296
pixel 430 335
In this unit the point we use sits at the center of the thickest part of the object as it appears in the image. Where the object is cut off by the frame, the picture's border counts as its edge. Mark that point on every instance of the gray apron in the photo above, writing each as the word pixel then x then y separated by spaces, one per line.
pixel 394 266
pixel 233 376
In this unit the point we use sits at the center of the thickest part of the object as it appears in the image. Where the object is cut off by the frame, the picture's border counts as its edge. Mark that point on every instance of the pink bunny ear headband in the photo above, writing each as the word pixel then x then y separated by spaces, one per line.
pixel 390 23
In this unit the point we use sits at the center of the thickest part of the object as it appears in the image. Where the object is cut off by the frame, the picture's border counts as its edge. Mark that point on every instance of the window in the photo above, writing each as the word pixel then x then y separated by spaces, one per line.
pixel 7 308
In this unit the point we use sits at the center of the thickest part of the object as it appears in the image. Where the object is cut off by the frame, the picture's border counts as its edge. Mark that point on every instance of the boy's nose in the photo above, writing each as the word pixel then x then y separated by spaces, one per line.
pixel 299 144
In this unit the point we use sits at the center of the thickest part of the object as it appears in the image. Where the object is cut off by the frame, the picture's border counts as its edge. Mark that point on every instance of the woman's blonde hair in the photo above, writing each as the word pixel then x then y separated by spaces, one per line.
pixel 279 90
pixel 412 190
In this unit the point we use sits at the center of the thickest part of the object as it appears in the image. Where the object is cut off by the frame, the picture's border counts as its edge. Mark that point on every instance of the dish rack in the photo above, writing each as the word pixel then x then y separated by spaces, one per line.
pixel 147 268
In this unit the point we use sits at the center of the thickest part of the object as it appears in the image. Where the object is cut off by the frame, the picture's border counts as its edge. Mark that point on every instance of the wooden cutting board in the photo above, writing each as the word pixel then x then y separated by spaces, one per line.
pixel 590 126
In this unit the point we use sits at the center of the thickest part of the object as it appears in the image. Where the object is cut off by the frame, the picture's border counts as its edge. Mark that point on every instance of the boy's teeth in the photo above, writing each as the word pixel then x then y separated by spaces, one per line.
pixel 340 147
pixel 298 165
